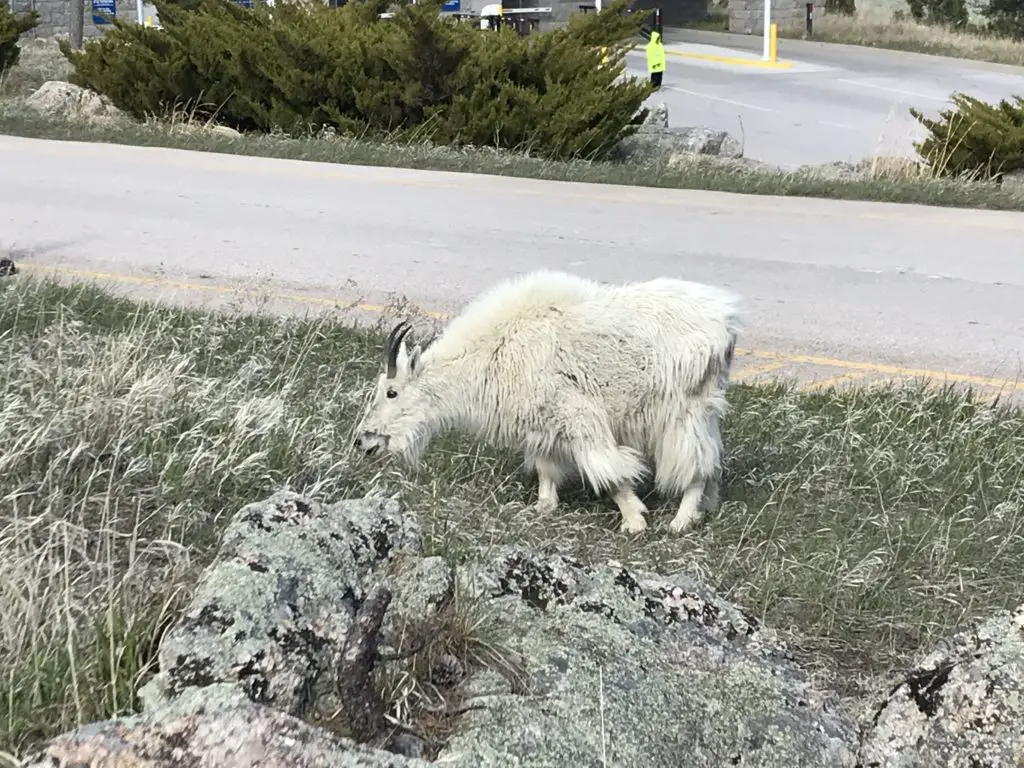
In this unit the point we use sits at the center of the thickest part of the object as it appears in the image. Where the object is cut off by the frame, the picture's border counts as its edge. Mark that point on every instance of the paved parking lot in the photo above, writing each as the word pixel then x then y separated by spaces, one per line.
pixel 832 104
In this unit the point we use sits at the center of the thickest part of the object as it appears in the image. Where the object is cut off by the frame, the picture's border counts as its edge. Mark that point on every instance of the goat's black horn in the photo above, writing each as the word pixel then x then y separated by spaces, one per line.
pixel 398 333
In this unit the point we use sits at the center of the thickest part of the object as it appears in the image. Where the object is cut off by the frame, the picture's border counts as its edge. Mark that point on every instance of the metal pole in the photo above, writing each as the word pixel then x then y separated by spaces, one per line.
pixel 139 12
pixel 767 28
pixel 810 20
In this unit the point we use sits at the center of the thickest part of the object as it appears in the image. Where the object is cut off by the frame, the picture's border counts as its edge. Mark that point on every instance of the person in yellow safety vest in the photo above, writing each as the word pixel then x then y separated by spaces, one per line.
pixel 655 59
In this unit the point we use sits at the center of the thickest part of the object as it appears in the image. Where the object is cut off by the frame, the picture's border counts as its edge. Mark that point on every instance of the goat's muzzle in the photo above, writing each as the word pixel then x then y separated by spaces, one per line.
pixel 371 443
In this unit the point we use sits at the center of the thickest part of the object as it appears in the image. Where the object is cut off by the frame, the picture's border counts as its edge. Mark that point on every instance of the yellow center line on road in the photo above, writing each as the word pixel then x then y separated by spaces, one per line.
pixel 819 384
pixel 777 359
pixel 747 373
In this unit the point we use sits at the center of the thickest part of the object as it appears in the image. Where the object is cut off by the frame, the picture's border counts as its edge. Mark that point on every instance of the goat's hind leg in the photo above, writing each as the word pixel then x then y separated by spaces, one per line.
pixel 689 513
pixel 688 462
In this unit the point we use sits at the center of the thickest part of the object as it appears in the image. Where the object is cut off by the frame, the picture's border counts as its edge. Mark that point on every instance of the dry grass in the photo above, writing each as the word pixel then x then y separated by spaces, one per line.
pixel 881 30
pixel 423 691
pixel 868 522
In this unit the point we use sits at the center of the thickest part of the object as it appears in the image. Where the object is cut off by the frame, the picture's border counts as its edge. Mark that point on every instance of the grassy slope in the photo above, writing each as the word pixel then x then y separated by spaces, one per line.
pixel 868 522
pixel 876 28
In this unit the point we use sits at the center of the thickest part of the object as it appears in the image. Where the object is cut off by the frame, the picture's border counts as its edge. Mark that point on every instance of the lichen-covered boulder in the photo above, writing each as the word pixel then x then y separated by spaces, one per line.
pixel 628 669
pixel 215 727
pixel 271 613
pixel 585 665
pixel 962 706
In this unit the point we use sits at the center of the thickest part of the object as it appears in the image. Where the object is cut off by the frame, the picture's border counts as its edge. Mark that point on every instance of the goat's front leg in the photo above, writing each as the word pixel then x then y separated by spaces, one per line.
pixel 631 508
pixel 549 475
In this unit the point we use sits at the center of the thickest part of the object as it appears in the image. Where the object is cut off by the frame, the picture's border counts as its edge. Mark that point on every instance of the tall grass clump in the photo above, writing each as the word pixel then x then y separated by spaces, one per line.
pixel 128 436
pixel 875 28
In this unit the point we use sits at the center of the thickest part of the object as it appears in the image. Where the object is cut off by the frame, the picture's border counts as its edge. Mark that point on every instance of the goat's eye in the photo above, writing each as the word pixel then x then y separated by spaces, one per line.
pixel 392 393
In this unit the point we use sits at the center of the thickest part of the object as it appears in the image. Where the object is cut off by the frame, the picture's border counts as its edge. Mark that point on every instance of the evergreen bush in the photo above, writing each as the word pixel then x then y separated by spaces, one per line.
pixel 11 29
pixel 842 7
pixel 1006 17
pixel 974 138
pixel 949 13
pixel 298 68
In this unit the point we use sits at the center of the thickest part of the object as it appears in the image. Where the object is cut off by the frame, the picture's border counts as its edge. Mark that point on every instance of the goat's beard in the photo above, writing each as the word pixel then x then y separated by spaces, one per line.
pixel 411 445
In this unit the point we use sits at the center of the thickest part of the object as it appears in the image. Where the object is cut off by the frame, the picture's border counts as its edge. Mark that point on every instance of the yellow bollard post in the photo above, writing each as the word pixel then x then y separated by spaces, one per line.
pixel 773 42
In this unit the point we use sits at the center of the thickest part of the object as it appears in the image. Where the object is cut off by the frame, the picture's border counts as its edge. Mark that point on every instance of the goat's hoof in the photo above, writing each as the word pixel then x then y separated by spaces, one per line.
pixel 545 506
pixel 633 525
pixel 684 524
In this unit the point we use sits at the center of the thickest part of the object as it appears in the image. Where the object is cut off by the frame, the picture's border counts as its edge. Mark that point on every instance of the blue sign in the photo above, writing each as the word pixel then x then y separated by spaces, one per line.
pixel 451 6
pixel 103 6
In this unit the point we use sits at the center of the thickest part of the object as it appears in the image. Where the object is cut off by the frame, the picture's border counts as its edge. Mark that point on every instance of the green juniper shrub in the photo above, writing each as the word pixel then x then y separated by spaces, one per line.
pixel 844 7
pixel 952 13
pixel 1006 17
pixel 11 29
pixel 302 68
pixel 974 138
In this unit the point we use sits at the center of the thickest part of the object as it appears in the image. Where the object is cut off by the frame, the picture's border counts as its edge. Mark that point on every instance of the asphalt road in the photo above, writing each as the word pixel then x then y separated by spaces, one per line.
pixel 838 287
pixel 837 103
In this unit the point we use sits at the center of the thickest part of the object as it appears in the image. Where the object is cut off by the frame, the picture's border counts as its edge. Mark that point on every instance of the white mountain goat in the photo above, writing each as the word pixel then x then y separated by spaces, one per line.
pixel 577 375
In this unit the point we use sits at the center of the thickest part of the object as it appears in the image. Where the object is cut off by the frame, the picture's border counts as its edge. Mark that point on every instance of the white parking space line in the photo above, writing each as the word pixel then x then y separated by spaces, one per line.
pixel 842 126
pixel 900 91
pixel 719 98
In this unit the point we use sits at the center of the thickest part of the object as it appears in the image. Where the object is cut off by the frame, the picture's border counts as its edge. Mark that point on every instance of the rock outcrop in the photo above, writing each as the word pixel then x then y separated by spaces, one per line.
pixel 630 669
pixel 60 100
pixel 271 613
pixel 657 143
pixel 215 727
pixel 589 665
pixel 962 706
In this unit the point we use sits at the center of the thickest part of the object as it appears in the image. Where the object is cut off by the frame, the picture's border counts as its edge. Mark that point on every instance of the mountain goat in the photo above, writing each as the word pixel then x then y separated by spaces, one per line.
pixel 574 374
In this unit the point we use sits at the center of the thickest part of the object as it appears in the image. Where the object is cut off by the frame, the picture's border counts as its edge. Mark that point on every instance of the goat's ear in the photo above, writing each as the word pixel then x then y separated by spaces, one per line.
pixel 402 358
pixel 414 358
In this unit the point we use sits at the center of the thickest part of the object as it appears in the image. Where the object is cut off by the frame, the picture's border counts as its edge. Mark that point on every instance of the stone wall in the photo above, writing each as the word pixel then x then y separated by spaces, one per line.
pixel 55 16
pixel 746 17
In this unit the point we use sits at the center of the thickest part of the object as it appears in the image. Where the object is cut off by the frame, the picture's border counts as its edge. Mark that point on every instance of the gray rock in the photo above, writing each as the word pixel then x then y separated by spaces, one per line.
pixel 216 727
pixel 743 166
pixel 1014 182
pixel 656 145
pixel 419 585
pixel 63 101
pixel 590 665
pixel 657 116
pixel 834 171
pixel 630 670
pixel 962 706
pixel 271 612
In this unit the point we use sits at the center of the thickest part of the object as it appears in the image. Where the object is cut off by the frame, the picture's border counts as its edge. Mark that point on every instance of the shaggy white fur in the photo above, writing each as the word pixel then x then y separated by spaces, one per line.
pixel 577 375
